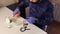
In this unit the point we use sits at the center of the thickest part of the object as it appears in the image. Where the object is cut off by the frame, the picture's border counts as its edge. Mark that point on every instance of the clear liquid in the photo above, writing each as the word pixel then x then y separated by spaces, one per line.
pixel 18 21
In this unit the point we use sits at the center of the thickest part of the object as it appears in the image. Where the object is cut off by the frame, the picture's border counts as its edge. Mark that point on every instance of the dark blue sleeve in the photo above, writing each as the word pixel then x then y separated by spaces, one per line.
pixel 48 19
pixel 22 4
pixel 51 18
pixel 19 7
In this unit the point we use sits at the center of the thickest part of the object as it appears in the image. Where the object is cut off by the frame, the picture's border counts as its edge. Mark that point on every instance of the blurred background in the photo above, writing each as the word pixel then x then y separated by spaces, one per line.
pixel 54 28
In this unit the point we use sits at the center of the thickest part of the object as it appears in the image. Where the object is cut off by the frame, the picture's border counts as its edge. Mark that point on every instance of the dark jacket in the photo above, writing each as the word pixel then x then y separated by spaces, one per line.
pixel 40 13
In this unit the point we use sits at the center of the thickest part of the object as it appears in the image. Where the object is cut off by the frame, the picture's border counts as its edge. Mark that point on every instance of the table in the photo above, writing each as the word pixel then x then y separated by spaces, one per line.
pixel 4 11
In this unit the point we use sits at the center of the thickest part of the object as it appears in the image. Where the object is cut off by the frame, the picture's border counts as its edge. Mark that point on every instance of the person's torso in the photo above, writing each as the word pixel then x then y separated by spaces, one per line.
pixel 36 9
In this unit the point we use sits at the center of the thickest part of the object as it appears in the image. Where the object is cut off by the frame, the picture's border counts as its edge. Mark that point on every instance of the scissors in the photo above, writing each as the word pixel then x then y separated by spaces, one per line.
pixel 24 28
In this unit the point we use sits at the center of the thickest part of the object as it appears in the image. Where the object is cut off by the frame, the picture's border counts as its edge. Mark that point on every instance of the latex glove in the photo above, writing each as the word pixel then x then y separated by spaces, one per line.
pixel 16 11
pixel 31 20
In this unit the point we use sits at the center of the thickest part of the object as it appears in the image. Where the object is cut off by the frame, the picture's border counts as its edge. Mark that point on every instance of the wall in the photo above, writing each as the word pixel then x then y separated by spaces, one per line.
pixel 7 2
pixel 56 9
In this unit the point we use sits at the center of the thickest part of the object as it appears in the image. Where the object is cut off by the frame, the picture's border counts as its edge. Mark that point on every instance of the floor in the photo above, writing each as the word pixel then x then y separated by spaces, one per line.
pixel 54 28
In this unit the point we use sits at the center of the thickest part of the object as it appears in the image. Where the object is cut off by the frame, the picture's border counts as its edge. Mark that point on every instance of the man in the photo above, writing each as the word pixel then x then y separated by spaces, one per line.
pixel 41 12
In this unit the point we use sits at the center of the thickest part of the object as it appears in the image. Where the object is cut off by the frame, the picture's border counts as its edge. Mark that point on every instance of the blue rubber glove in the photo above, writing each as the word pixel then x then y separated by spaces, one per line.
pixel 31 20
pixel 16 11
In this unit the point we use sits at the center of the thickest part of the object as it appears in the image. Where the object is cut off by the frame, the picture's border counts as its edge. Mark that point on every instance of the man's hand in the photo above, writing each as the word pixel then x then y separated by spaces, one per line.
pixel 31 20
pixel 16 12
